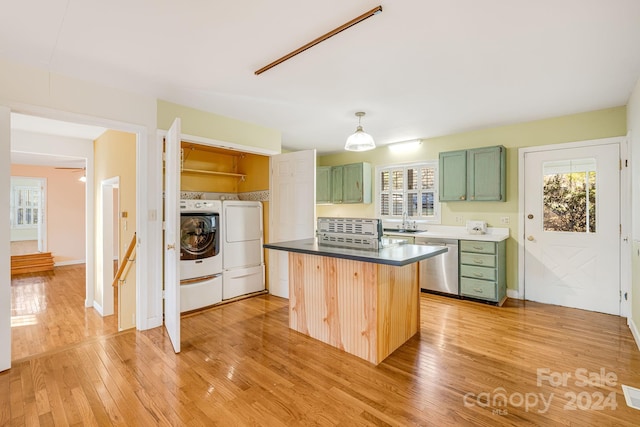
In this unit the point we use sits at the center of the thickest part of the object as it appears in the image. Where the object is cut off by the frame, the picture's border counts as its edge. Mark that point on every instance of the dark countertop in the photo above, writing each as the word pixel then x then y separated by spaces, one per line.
pixel 396 255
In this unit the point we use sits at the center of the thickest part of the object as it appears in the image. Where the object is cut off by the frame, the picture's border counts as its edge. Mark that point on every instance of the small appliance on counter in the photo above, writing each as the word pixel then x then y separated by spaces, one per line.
pixel 476 227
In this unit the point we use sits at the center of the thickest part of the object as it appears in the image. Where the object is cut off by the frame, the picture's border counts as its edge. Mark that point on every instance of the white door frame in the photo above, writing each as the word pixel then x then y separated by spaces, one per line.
pixel 625 207
pixel 104 238
pixel 146 229
pixel 42 211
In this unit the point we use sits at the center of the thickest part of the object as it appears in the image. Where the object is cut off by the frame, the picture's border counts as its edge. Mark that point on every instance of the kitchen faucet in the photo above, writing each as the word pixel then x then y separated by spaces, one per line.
pixel 405 218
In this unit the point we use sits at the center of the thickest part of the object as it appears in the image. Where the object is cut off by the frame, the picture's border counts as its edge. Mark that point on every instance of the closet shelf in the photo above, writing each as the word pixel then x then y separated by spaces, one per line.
pixel 238 175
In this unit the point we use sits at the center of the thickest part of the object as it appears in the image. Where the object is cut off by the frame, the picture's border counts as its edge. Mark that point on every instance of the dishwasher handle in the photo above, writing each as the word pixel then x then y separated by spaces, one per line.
pixel 435 242
pixel 431 243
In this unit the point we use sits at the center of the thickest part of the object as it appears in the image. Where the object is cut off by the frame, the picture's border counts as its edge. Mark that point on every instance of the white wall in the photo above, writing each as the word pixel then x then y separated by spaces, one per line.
pixel 5 267
pixel 633 128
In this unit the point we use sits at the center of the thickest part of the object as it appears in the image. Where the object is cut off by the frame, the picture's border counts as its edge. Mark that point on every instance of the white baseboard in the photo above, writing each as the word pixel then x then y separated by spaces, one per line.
pixel 513 293
pixel 634 331
pixel 151 323
pixel 98 308
pixel 71 262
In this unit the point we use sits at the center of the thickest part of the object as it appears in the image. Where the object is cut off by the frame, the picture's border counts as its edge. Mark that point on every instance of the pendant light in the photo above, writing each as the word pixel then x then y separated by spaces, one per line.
pixel 360 141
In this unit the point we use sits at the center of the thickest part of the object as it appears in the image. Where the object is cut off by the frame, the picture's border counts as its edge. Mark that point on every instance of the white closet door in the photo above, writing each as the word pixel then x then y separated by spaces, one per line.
pixel 292 210
pixel 172 235
pixel 5 265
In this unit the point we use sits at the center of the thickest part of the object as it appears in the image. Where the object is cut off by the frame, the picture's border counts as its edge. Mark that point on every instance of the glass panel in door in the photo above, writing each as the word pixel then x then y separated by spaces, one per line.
pixel 569 196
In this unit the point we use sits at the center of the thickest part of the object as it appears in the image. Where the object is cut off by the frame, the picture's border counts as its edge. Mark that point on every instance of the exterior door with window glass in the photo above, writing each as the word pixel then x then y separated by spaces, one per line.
pixel 572 227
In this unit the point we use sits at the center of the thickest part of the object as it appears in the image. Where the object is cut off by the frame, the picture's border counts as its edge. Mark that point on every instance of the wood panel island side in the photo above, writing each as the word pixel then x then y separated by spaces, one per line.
pixel 365 302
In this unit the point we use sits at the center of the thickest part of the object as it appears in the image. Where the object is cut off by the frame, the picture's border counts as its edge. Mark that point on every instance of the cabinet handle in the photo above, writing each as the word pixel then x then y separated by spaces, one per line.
pixel 473 197
pixel 478 290
pixel 477 248
pixel 462 197
pixel 478 261
pixel 478 274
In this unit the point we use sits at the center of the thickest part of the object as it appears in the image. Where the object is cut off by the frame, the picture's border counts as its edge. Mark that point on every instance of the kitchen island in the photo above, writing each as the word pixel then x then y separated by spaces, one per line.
pixel 365 302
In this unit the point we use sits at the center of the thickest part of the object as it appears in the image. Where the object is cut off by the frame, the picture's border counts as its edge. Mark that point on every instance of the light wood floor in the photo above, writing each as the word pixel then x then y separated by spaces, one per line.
pixel 48 313
pixel 241 365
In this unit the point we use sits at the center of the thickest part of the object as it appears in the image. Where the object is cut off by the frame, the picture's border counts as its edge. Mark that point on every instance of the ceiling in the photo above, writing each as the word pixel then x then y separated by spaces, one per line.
pixel 419 69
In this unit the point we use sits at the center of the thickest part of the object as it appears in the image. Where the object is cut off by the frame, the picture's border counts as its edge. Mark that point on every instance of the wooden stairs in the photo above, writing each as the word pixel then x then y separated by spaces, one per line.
pixel 31 263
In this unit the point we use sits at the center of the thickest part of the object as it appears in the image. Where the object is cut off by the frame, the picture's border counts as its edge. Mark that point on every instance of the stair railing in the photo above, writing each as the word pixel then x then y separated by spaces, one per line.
pixel 125 262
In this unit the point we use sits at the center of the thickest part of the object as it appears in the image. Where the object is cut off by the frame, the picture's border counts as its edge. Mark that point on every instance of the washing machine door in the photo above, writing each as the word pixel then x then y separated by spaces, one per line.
pixel 199 235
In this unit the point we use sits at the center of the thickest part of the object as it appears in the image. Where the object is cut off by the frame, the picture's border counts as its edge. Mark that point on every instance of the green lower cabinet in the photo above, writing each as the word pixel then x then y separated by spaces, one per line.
pixel 483 270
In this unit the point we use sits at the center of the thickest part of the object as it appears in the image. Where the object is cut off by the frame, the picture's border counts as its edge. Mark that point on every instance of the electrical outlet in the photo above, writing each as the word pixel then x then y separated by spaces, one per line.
pixel 459 219
pixel 504 220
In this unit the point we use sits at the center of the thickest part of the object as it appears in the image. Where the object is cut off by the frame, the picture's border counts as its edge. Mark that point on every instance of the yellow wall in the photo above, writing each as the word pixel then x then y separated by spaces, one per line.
pixel 201 160
pixel 115 156
pixel 208 125
pixel 578 127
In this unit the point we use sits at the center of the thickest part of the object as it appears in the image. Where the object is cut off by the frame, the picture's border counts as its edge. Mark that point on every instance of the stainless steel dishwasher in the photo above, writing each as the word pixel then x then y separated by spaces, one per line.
pixel 440 273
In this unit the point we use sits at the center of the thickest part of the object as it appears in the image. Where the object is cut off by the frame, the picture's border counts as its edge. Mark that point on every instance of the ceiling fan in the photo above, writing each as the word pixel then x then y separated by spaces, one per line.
pixel 83 178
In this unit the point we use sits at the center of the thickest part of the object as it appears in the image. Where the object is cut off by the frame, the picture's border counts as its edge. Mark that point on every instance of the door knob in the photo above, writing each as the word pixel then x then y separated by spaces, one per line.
pixel 530 216
pixel 169 247
pixel 530 238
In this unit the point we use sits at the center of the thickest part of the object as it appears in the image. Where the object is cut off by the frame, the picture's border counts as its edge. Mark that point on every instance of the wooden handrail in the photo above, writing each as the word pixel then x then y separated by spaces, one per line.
pixel 125 261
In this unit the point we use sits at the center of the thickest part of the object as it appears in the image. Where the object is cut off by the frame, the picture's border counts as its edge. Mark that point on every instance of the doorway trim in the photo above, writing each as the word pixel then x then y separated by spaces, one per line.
pixel 625 248
pixel 105 240
pixel 146 229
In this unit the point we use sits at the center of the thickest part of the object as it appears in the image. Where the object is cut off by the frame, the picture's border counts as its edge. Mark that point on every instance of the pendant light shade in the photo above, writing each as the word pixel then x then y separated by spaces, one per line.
pixel 360 140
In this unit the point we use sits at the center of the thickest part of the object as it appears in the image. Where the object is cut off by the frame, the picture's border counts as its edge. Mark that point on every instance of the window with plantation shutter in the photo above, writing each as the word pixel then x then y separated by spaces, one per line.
pixel 25 207
pixel 409 188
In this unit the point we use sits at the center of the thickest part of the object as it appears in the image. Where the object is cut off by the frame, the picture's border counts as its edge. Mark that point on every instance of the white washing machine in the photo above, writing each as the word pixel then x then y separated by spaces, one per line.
pixel 200 253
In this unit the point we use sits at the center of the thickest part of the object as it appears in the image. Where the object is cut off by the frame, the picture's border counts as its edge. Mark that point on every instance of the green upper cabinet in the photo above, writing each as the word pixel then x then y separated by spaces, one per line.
pixel 336 184
pixel 478 174
pixel 356 183
pixel 347 183
pixel 323 184
pixel 486 174
pixel 452 173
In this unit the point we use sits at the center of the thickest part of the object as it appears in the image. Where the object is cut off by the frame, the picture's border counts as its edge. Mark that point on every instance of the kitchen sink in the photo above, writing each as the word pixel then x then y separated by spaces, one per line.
pixel 402 230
